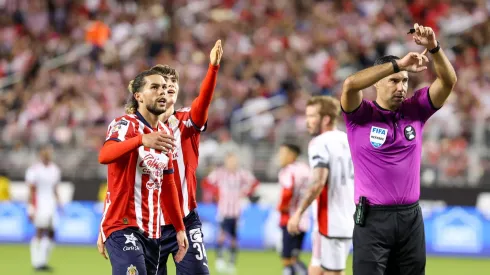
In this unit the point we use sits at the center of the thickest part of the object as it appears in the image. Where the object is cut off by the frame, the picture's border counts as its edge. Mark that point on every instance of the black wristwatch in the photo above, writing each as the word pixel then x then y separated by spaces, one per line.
pixel 396 68
pixel 436 49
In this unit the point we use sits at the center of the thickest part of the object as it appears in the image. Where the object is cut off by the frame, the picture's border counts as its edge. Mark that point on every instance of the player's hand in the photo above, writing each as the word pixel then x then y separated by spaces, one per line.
pixel 293 224
pixel 101 246
pixel 183 246
pixel 216 53
pixel 30 212
pixel 424 36
pixel 414 62
pixel 159 141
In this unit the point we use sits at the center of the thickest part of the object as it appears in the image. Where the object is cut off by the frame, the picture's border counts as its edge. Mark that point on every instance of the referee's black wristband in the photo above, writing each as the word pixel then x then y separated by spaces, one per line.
pixel 395 66
pixel 436 49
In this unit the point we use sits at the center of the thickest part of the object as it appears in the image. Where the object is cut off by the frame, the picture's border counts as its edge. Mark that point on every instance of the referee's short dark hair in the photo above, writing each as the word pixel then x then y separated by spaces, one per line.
pixel 385 59
pixel 293 148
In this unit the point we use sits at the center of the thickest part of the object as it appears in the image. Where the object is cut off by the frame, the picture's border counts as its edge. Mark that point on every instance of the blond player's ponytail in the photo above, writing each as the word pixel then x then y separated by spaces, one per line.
pixel 131 104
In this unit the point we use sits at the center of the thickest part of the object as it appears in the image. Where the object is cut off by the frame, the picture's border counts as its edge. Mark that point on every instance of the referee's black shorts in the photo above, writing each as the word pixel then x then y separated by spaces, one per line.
pixel 391 242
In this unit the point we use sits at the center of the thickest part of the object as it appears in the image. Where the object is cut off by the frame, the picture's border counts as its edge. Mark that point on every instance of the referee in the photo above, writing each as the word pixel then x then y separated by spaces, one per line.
pixel 385 138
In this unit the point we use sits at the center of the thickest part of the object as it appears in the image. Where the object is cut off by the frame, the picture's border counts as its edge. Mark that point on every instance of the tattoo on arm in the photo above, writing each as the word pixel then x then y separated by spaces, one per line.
pixel 320 175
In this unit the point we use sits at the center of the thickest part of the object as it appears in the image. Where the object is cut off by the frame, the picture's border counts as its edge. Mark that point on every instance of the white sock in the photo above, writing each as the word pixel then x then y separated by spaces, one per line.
pixel 44 245
pixel 50 249
pixel 35 248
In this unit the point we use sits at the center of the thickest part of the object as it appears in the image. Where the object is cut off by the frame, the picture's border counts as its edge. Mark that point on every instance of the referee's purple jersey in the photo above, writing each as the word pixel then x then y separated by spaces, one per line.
pixel 386 149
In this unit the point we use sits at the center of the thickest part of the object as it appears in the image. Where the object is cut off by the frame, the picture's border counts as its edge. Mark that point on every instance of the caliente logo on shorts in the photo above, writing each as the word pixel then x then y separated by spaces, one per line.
pixel 377 136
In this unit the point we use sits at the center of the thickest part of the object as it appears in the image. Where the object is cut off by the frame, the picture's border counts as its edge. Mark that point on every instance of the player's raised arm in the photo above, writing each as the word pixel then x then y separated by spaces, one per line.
pixel 352 89
pixel 446 76
pixel 200 105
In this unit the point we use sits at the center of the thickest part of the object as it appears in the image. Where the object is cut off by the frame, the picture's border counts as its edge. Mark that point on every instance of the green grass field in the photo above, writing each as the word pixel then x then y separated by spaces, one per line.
pixel 69 260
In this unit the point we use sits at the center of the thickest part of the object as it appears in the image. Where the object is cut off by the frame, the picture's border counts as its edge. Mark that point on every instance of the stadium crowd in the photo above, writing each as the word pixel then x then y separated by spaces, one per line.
pixel 74 60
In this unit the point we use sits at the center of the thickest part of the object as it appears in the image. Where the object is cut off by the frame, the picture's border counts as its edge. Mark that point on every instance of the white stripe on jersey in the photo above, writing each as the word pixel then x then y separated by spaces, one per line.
pixel 137 191
pixel 106 208
pixel 158 216
pixel 150 204
pixel 150 220
pixel 122 134
pixel 181 167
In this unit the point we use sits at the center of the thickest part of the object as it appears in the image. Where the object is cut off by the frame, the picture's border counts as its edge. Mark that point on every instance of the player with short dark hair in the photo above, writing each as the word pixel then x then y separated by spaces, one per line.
pixel 43 179
pixel 187 125
pixel 140 181
pixel 293 177
pixel 385 137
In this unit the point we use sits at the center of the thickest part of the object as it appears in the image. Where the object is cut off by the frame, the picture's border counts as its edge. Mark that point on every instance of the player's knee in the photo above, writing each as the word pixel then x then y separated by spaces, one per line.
pixel 287 261
pixel 315 270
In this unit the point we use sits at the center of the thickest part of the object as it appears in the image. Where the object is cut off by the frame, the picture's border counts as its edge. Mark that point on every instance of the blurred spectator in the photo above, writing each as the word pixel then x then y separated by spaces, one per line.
pixel 4 187
pixel 75 59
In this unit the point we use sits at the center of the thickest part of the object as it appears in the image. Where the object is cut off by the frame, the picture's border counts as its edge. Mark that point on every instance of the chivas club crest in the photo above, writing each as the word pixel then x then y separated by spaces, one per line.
pixel 132 270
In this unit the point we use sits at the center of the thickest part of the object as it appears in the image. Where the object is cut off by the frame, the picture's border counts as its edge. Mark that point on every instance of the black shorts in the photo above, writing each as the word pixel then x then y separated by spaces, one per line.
pixel 195 260
pixel 130 252
pixel 229 225
pixel 291 244
pixel 392 241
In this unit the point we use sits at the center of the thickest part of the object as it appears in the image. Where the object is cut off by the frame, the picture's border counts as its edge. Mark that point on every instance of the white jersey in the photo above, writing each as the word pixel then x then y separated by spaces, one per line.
pixel 336 205
pixel 44 178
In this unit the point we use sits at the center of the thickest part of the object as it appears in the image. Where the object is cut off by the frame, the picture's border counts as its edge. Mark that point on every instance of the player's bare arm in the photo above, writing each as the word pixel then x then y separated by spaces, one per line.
pixel 183 246
pixel 351 97
pixel 446 76
pixel 30 199
pixel 320 175
pixel 101 246
pixel 200 106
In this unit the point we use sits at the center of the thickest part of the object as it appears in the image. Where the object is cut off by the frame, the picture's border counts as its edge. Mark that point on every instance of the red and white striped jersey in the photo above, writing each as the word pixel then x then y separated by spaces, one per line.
pixel 185 159
pixel 294 180
pixel 336 205
pixel 231 187
pixel 134 181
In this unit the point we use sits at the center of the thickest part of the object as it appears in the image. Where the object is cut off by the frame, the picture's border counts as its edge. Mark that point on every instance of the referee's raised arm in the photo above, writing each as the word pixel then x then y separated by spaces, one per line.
pixel 351 96
pixel 446 76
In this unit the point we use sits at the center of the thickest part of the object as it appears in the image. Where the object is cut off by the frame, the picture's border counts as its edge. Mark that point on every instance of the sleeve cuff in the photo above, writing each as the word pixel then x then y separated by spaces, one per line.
pixel 351 112
pixel 430 101
pixel 321 165
pixel 213 67
pixel 202 129
pixel 114 139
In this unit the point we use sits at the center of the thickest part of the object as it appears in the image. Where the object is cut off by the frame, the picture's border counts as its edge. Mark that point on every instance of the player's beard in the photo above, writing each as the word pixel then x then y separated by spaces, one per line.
pixel 316 130
pixel 155 109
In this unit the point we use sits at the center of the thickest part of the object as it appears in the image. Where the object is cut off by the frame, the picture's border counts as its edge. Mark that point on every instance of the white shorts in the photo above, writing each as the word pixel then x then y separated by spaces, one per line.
pixel 334 253
pixel 316 248
pixel 43 219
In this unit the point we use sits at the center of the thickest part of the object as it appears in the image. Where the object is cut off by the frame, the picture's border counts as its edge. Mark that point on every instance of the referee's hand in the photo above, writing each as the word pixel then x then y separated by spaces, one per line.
pixel 414 62
pixel 293 224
